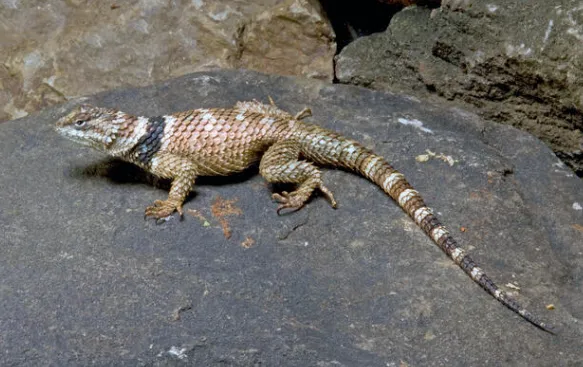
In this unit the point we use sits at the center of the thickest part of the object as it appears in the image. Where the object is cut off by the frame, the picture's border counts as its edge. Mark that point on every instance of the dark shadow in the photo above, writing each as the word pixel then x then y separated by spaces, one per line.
pixel 120 172
pixel 117 171
pixel 353 19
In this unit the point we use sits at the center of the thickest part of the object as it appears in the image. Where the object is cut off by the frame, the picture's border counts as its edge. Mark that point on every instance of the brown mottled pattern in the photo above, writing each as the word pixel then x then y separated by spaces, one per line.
pixel 217 141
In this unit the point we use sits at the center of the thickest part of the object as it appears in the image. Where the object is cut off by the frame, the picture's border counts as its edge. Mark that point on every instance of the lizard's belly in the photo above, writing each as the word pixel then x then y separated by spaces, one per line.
pixel 224 164
pixel 216 157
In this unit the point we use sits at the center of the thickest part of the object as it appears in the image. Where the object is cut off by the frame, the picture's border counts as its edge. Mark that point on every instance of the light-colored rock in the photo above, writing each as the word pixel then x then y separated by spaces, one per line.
pixel 290 39
pixel 53 50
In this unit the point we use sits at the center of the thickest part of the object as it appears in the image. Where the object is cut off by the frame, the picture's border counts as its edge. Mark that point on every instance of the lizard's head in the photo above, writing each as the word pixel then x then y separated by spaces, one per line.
pixel 96 127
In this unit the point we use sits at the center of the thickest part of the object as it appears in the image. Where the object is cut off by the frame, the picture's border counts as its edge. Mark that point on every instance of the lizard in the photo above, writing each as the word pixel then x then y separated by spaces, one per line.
pixel 221 141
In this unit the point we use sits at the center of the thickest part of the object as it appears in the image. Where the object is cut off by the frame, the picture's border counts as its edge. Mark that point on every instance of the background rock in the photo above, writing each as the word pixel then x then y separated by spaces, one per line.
pixel 84 280
pixel 511 63
pixel 54 50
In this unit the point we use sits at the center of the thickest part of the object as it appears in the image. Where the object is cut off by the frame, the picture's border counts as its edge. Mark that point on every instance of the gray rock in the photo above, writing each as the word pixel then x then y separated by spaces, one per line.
pixel 510 63
pixel 85 280
pixel 52 50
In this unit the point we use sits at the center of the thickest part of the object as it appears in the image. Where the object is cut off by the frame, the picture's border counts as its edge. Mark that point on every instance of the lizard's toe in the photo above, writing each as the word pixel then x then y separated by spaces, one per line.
pixel 289 201
pixel 162 209
pixel 329 195
pixel 281 198
pixel 306 112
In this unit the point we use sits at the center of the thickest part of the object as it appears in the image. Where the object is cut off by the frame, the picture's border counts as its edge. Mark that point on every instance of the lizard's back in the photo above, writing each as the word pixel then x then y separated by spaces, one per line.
pixel 219 141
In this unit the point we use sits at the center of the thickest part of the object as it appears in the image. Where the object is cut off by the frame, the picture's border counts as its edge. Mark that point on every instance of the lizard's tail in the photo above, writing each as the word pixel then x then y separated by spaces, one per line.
pixel 394 183
pixel 353 156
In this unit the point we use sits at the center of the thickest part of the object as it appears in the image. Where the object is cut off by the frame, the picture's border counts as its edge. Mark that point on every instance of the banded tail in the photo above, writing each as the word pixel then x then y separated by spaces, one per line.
pixel 326 147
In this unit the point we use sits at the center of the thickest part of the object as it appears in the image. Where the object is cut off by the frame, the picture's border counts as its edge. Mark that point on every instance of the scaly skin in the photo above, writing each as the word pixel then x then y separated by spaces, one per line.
pixel 210 142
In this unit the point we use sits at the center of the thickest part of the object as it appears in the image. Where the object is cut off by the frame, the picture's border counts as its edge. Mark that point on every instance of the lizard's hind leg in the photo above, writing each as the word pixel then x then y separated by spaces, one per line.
pixel 281 164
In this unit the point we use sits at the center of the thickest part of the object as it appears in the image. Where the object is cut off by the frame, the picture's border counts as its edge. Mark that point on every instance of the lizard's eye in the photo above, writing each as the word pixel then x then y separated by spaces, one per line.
pixel 80 123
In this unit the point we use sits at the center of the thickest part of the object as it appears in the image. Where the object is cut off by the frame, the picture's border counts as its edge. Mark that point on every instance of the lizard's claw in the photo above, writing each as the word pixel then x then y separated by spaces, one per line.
pixel 289 200
pixel 162 209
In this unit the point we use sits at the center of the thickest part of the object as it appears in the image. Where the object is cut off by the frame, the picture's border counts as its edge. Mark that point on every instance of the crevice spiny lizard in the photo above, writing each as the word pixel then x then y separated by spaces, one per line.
pixel 217 141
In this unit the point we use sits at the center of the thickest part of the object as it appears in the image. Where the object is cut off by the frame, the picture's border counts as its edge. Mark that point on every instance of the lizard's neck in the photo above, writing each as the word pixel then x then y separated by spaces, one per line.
pixel 141 140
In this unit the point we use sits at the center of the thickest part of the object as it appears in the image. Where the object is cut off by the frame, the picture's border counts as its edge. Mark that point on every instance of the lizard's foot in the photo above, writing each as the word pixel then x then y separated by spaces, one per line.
pixel 297 199
pixel 291 200
pixel 163 209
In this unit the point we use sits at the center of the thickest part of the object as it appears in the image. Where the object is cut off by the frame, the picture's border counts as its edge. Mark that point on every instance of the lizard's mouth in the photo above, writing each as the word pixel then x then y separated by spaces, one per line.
pixel 74 136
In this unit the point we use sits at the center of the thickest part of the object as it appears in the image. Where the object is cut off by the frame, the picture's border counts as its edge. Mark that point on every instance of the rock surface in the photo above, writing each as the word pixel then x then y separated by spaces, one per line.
pixel 84 280
pixel 511 63
pixel 53 50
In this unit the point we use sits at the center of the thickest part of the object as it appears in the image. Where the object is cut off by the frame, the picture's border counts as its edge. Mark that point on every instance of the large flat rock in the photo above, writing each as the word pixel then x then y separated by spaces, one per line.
pixel 84 279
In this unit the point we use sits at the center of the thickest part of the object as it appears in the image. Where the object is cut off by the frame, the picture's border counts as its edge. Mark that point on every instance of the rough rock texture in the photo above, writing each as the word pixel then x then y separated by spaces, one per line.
pixel 511 63
pixel 52 50
pixel 293 38
pixel 84 280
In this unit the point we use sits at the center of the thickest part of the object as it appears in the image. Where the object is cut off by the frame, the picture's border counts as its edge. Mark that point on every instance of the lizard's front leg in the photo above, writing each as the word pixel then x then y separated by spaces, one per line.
pixel 183 173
